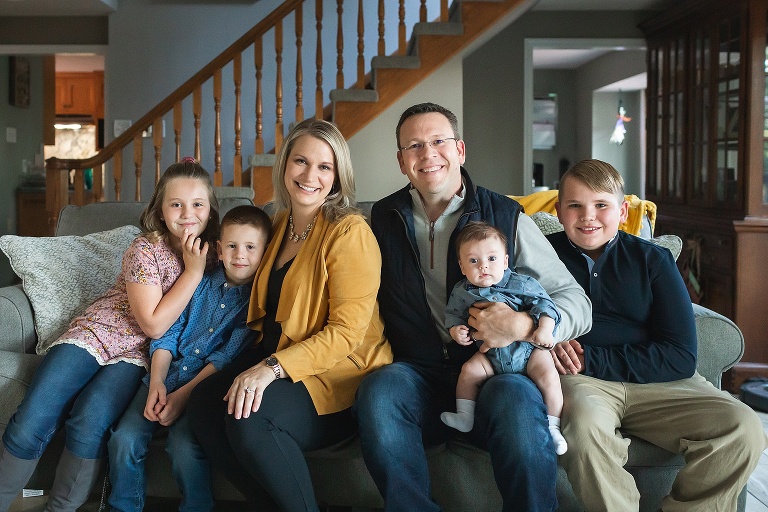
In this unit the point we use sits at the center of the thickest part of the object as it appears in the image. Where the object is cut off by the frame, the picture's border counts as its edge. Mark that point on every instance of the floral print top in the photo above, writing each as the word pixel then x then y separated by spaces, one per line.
pixel 107 329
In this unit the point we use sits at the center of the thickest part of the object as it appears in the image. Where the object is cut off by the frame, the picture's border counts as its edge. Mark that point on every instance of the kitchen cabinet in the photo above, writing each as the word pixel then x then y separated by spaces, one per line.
pixel 707 152
pixel 80 94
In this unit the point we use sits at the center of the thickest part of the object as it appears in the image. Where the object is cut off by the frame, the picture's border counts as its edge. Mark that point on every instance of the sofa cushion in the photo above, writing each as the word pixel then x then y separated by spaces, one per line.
pixel 63 275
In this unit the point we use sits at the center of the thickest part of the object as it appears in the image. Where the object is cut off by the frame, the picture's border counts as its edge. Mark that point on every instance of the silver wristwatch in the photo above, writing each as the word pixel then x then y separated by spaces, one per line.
pixel 274 364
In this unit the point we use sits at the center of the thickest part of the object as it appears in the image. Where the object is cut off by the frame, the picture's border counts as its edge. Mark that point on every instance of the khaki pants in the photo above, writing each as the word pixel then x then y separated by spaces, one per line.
pixel 720 438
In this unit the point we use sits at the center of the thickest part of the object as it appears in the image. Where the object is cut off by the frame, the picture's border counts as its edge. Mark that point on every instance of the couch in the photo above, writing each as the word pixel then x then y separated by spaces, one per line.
pixel 462 477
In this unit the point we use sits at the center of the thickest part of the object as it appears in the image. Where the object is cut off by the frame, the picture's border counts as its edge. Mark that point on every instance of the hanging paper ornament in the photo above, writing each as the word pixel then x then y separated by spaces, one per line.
pixel 618 131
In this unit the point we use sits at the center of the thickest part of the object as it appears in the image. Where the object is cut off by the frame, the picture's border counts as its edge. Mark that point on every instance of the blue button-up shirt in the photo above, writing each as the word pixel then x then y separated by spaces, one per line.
pixel 211 329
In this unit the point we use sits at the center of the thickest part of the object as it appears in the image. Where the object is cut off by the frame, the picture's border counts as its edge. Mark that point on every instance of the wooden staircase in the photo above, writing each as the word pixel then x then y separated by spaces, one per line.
pixel 432 43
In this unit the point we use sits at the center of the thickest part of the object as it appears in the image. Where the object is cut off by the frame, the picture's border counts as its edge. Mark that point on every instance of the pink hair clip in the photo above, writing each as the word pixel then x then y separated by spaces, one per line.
pixel 188 160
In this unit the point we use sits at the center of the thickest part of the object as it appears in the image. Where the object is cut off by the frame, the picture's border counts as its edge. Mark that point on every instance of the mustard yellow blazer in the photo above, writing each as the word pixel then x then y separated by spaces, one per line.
pixel 332 333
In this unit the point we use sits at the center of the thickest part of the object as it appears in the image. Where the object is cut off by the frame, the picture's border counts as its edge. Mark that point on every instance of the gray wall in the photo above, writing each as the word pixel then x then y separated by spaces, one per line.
pixel 494 109
pixel 627 157
pixel 28 123
pixel 170 42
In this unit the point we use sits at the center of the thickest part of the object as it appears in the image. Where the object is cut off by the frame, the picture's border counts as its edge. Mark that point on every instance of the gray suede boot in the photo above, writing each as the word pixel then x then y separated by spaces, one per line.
pixel 14 475
pixel 75 477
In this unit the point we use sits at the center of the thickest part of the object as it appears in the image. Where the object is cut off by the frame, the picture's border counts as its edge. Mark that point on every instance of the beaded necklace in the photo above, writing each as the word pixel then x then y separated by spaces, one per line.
pixel 297 238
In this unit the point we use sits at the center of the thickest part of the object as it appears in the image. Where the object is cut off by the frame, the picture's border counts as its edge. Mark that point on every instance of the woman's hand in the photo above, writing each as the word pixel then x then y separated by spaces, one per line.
pixel 244 396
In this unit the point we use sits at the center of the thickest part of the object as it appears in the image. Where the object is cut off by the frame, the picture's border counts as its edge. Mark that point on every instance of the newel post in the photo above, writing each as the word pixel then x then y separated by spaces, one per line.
pixel 56 190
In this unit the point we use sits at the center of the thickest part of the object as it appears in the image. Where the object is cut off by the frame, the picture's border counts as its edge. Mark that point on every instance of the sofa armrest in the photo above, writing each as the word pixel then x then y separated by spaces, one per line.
pixel 721 344
pixel 18 332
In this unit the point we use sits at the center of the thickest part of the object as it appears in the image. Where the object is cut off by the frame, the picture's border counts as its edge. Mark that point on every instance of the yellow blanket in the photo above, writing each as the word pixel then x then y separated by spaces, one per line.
pixel 545 202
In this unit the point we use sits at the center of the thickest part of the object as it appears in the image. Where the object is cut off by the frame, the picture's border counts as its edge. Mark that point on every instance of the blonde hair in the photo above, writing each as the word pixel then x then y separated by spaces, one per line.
pixel 152 222
pixel 341 201
pixel 597 175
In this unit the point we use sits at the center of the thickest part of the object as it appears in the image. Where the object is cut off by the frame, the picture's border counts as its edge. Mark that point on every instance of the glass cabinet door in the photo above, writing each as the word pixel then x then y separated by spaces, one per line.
pixel 728 121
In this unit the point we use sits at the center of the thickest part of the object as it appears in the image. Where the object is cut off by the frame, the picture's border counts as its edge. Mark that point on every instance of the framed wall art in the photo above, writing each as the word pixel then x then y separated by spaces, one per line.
pixel 18 90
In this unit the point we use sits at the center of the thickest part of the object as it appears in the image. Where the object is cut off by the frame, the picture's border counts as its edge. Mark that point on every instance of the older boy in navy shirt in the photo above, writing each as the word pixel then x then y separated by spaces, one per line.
pixel 205 338
pixel 636 368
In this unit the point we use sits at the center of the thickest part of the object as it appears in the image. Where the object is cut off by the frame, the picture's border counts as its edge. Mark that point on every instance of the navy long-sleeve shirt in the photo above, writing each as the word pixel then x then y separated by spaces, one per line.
pixel 643 327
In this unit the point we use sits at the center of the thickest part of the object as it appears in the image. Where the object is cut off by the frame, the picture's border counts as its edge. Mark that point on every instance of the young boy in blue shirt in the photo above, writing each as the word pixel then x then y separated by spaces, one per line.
pixel 635 370
pixel 205 338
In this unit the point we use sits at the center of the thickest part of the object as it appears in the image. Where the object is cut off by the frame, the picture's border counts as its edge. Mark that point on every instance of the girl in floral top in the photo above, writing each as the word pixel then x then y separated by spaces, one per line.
pixel 93 370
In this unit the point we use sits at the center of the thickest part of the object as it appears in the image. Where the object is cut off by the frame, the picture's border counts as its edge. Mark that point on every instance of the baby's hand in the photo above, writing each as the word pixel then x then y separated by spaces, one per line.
pixel 543 338
pixel 460 334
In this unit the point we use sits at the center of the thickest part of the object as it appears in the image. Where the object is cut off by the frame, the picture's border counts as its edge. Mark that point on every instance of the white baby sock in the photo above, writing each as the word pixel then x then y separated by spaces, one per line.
pixel 464 417
pixel 554 430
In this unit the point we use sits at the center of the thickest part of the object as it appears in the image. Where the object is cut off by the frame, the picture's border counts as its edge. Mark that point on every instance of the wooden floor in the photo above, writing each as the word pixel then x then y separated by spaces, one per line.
pixel 757 499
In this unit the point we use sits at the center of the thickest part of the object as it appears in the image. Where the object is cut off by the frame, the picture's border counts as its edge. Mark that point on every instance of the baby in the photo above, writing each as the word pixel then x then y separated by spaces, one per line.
pixel 483 258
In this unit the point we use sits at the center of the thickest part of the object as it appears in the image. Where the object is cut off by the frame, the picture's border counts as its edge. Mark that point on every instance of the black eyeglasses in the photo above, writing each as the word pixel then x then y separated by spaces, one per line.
pixel 418 146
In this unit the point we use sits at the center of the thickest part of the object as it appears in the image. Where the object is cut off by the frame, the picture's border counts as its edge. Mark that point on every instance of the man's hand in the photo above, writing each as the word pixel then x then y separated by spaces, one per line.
pixel 498 325
pixel 568 357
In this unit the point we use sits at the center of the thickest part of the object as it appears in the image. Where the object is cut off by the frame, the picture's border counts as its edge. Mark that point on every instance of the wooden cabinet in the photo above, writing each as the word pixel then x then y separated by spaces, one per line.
pixel 80 94
pixel 31 219
pixel 707 151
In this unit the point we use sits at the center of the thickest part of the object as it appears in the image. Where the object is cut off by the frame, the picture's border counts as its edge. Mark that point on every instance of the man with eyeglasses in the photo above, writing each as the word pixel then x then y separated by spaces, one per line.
pixel 398 406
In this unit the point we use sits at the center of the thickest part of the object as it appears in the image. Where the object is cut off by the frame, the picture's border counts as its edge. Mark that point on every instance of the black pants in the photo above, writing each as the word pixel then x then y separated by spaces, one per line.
pixel 264 452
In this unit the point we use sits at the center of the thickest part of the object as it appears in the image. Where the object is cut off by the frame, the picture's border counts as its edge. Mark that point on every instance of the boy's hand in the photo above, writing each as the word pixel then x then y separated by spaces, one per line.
pixel 194 255
pixel 460 334
pixel 568 357
pixel 156 400
pixel 175 404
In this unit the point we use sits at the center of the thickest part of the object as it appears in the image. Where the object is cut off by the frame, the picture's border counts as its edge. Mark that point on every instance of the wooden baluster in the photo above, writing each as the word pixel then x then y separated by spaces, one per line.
pixel 177 123
pixel 137 156
pixel 237 165
pixel 217 180
pixel 258 143
pixel 360 46
pixel 78 193
pixel 401 47
pixel 299 18
pixel 197 109
pixel 443 10
pixel 423 11
pixel 117 173
pixel 98 183
pixel 382 45
pixel 319 59
pixel 278 84
pixel 339 45
pixel 157 140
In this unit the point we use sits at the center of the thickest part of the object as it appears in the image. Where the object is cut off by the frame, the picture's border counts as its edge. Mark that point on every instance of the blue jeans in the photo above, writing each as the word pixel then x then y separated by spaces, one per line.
pixel 70 388
pixel 128 447
pixel 398 409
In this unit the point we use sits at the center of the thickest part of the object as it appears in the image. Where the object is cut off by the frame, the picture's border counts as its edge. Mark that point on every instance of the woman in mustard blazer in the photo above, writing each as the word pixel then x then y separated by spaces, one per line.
pixel 314 306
